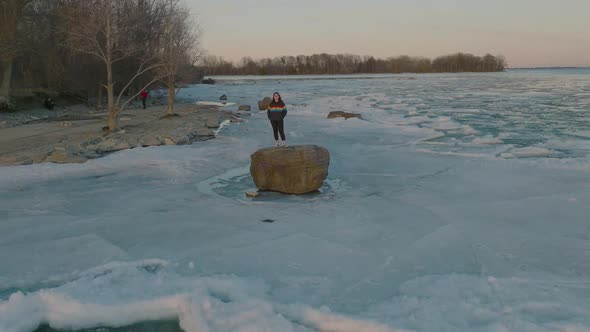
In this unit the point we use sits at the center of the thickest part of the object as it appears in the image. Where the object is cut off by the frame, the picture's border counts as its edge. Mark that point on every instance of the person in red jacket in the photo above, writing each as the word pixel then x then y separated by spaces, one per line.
pixel 144 96
pixel 276 112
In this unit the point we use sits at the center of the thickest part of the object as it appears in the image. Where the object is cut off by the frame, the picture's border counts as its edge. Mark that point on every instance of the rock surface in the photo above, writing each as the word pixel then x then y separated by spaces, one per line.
pixel 340 114
pixel 293 170
pixel 64 158
pixel 48 140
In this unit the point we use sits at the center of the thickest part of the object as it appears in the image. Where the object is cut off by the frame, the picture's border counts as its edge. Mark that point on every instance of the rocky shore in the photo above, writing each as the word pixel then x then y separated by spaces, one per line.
pixel 76 135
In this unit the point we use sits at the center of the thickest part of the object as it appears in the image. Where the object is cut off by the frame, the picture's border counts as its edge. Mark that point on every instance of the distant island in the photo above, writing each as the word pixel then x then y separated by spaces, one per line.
pixel 318 64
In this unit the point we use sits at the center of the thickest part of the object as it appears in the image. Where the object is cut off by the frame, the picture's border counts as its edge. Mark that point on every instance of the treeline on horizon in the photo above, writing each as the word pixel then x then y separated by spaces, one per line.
pixel 352 64
pixel 92 50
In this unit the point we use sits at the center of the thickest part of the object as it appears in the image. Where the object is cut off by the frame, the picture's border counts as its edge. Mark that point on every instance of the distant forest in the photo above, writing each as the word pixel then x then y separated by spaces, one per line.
pixel 352 64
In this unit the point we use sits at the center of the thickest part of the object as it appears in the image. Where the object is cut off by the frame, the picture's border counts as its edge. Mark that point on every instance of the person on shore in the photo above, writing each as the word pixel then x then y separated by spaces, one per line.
pixel 144 96
pixel 276 113
pixel 48 103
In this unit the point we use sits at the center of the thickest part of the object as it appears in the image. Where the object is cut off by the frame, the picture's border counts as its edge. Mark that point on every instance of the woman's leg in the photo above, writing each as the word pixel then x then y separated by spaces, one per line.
pixel 282 130
pixel 275 129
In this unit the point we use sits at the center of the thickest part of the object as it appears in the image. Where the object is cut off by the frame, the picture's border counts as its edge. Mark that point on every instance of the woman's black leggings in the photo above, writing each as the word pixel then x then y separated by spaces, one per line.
pixel 278 127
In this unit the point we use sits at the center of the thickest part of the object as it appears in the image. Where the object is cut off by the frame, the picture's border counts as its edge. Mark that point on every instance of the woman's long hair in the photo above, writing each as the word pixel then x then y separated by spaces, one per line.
pixel 280 102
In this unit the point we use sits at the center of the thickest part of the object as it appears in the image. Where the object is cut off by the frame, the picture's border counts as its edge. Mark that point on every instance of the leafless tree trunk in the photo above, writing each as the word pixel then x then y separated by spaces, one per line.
pixel 113 120
pixel 10 14
pixel 171 95
pixel 6 78
pixel 180 46
pixel 98 29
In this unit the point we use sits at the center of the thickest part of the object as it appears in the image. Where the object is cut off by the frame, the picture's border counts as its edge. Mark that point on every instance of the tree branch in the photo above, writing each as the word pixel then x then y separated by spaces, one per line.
pixel 120 109
pixel 140 71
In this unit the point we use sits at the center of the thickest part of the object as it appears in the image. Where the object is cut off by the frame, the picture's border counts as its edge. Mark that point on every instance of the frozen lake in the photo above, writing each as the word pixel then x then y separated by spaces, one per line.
pixel 460 203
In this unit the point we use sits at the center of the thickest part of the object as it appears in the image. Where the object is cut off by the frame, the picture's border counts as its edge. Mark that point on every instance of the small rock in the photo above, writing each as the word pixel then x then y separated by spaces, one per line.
pixel 252 194
pixel 39 156
pixel 121 146
pixel 244 108
pixel 106 145
pixel 150 141
pixel 205 132
pixel 90 154
pixel 66 124
pixel 111 144
pixel 64 158
pixel 212 123
pixel 95 140
pixel 208 81
pixel 182 140
pixel 267 220
pixel 340 114
pixel 91 147
pixel 223 97
pixel 8 160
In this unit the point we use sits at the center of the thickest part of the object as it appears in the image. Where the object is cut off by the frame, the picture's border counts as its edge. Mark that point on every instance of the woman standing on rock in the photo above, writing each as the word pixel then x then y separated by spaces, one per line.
pixel 276 112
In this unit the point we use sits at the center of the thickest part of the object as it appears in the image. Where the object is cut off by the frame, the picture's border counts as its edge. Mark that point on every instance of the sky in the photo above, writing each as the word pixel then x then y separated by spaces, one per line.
pixel 529 33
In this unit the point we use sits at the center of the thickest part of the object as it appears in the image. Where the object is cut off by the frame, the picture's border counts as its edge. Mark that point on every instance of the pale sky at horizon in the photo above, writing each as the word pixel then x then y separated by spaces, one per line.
pixel 529 33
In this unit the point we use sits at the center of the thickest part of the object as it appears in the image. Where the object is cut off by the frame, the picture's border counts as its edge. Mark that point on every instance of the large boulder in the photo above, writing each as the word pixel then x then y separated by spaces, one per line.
pixel 340 114
pixel 291 170
pixel 263 104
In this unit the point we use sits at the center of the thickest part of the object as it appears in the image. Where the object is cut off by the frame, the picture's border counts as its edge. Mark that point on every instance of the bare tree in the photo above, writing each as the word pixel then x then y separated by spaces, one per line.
pixel 180 47
pixel 10 14
pixel 101 28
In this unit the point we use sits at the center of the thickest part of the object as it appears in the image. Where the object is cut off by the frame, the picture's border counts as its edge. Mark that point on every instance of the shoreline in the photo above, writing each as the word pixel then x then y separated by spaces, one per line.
pixel 75 135
pixel 399 76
